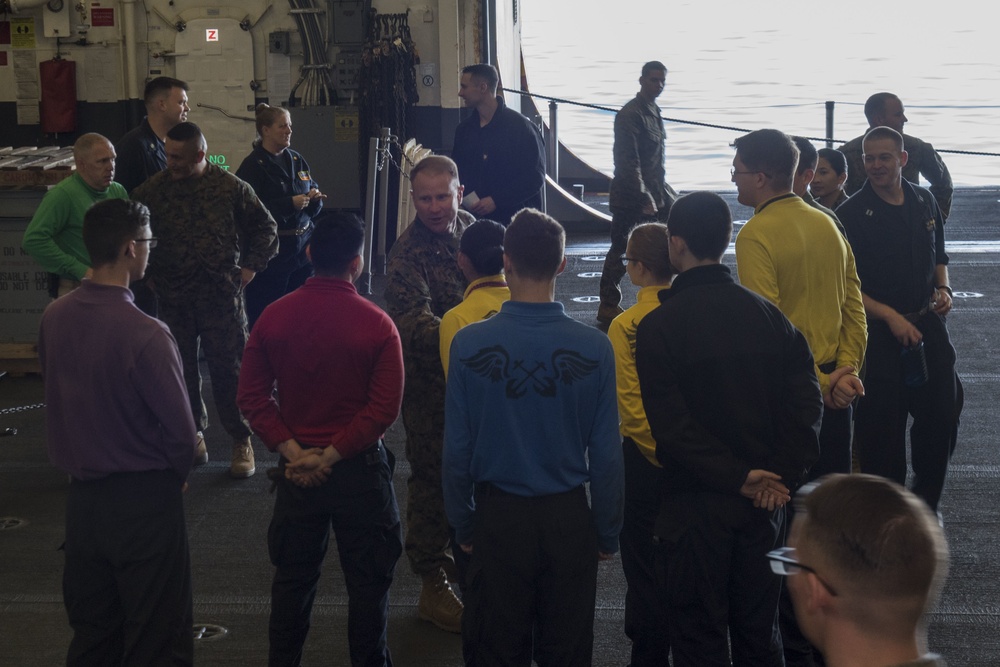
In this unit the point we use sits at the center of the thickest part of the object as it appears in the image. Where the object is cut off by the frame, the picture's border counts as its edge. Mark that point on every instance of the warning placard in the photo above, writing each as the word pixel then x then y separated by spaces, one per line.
pixel 102 17
pixel 22 32
pixel 345 125
pixel 24 288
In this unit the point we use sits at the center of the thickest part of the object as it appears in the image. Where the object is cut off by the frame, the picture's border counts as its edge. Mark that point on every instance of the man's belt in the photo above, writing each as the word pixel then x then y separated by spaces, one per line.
pixel 298 231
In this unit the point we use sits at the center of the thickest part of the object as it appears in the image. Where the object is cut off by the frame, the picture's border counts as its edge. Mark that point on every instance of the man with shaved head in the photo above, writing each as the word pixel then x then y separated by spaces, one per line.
pixel 54 237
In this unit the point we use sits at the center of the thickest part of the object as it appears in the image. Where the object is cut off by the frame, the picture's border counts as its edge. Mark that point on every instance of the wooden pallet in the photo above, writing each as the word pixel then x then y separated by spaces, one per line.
pixel 31 166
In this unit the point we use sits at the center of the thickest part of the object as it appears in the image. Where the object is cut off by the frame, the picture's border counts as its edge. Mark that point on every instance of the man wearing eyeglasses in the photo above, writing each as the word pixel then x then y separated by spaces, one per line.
pixel 865 562
pixel 733 403
pixel 119 424
pixel 794 256
pixel 897 231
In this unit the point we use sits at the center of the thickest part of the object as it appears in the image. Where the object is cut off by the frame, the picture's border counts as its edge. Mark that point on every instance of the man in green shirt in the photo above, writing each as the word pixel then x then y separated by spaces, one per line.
pixel 54 237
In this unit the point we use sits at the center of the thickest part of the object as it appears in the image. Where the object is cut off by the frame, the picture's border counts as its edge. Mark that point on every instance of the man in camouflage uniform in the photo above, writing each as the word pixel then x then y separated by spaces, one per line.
pixel 639 191
pixel 213 236
pixel 887 110
pixel 423 283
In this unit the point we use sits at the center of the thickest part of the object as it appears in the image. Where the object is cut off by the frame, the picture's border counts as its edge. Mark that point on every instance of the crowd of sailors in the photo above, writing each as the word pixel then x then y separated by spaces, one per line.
pixel 705 433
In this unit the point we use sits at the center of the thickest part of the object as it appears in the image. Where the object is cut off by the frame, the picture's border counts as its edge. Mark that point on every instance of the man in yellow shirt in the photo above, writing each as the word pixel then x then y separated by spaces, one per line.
pixel 793 255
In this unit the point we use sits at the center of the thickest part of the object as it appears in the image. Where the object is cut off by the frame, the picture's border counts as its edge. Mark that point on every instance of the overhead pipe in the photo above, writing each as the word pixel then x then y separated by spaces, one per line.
pixel 15 6
pixel 130 50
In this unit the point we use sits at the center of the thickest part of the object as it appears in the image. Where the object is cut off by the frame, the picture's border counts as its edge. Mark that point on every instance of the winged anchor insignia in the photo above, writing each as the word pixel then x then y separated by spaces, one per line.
pixel 566 367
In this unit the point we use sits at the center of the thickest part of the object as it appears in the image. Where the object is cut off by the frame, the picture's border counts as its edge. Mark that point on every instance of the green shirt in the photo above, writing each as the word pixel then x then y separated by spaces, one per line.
pixel 54 237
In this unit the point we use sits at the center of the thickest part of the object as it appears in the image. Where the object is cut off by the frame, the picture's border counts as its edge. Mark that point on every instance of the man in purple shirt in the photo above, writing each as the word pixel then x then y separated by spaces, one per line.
pixel 119 423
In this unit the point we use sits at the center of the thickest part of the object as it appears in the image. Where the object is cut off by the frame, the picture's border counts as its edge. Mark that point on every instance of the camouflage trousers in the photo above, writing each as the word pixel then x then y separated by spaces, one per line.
pixel 428 540
pixel 622 223
pixel 219 323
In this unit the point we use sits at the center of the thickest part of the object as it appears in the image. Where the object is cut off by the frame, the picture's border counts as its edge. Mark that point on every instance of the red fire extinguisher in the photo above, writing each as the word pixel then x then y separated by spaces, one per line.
pixel 58 105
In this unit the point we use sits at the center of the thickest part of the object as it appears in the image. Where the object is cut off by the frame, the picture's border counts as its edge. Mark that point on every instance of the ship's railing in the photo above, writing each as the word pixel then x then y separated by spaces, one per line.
pixel 553 127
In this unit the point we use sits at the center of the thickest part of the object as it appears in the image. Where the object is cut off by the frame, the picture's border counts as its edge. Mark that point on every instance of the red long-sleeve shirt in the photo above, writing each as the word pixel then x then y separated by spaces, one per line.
pixel 336 362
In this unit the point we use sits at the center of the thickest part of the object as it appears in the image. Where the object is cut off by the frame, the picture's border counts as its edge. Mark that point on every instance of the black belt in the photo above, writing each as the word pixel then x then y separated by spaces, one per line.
pixel 828 367
pixel 298 231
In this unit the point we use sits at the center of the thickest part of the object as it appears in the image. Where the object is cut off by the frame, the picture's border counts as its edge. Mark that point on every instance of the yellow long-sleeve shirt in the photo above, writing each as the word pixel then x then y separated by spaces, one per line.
pixel 792 255
pixel 482 300
pixel 622 335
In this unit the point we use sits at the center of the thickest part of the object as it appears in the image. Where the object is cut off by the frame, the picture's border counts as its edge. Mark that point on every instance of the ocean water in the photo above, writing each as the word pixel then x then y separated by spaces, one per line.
pixel 752 66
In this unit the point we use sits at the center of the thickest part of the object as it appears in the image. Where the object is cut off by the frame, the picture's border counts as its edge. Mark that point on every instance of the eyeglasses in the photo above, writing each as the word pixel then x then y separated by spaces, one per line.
pixel 152 241
pixel 625 259
pixel 784 562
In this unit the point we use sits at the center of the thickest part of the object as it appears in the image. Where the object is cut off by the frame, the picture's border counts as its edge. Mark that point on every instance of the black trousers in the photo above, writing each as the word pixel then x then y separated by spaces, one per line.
pixel 127 582
pixel 283 275
pixel 714 578
pixel 834 457
pixel 359 503
pixel 880 426
pixel 532 582
pixel 645 622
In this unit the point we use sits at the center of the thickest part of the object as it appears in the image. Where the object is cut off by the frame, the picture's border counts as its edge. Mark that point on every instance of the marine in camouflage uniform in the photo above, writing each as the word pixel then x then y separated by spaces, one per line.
pixel 208 227
pixel 423 283
pixel 639 191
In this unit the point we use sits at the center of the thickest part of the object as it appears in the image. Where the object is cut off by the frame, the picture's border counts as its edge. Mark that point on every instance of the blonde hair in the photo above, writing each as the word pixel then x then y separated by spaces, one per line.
pixel 266 116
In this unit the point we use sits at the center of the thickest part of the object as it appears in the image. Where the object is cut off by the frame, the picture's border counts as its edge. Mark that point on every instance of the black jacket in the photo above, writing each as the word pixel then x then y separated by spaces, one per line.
pixel 504 160
pixel 140 155
pixel 727 384
pixel 896 248
pixel 275 186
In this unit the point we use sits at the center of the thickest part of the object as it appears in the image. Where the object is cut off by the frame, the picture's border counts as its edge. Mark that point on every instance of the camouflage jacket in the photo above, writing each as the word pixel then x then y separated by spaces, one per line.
pixel 922 160
pixel 208 228
pixel 423 283
pixel 640 140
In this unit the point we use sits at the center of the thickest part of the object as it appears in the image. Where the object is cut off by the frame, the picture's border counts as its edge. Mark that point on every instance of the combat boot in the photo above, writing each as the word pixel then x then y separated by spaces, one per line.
pixel 242 464
pixel 439 604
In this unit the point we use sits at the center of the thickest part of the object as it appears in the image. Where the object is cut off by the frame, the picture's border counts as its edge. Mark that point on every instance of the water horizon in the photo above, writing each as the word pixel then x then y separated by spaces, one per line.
pixel 738 69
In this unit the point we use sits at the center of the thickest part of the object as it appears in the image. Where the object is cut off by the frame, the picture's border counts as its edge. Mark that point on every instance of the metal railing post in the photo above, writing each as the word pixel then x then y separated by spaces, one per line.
pixel 383 203
pixel 365 279
pixel 552 157
pixel 829 124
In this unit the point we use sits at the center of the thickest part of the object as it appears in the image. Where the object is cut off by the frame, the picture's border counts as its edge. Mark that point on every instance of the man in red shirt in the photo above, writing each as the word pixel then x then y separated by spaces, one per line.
pixel 336 361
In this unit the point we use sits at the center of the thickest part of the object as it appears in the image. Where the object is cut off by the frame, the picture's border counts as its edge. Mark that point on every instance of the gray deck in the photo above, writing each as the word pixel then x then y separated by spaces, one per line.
pixel 227 519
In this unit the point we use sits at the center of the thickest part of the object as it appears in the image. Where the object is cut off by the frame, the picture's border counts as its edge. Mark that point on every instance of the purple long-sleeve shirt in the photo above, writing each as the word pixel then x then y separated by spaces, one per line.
pixel 114 387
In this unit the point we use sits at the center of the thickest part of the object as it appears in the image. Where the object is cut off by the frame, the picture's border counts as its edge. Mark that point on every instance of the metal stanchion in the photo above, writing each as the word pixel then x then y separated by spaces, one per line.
pixel 552 165
pixel 829 124
pixel 383 202
pixel 365 279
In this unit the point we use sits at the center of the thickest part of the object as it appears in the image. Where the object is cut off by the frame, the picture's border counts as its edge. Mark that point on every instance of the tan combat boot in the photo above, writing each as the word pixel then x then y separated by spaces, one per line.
pixel 242 464
pixel 438 603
